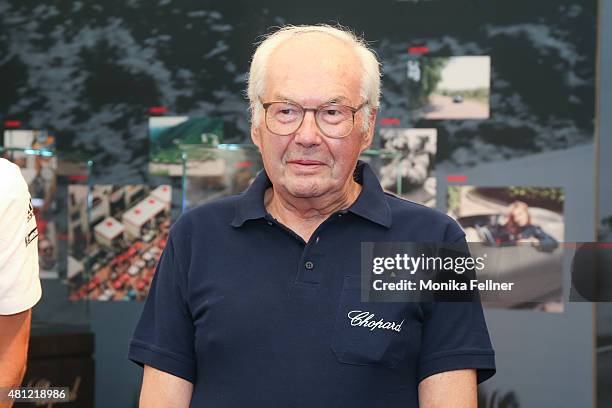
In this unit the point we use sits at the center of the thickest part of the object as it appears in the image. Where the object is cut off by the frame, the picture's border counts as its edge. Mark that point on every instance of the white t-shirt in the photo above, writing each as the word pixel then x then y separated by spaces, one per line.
pixel 19 282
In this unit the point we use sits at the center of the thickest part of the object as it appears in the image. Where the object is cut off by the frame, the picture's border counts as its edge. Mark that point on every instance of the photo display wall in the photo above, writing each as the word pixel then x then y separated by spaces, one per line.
pixel 142 98
pixel 509 79
pixel 464 82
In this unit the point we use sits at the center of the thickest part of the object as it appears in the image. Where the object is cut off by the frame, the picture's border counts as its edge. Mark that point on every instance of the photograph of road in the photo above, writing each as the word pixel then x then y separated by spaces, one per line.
pixel 414 166
pixel 34 152
pixel 215 172
pixel 526 224
pixel 171 136
pixel 114 243
pixel 449 87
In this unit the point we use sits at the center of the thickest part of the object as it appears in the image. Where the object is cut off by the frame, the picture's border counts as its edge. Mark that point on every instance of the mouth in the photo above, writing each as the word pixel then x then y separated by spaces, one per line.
pixel 305 162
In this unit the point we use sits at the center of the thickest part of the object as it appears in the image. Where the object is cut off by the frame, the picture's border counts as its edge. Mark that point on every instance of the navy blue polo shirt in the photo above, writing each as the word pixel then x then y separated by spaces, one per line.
pixel 254 316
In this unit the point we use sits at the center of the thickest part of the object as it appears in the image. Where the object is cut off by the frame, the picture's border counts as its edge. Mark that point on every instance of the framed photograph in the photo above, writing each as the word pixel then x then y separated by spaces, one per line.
pixel 449 87
pixel 115 237
pixel 526 225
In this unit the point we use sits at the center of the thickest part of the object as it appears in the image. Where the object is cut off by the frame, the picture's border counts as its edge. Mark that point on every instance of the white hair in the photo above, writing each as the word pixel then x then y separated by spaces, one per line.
pixel 370 80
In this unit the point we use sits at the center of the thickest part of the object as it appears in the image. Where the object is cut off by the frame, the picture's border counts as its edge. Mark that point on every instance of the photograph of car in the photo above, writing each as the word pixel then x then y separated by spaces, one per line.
pixel 114 244
pixel 456 87
pixel 526 226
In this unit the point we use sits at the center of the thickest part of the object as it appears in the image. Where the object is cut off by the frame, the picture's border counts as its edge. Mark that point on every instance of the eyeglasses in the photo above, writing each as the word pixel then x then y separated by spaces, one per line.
pixel 333 120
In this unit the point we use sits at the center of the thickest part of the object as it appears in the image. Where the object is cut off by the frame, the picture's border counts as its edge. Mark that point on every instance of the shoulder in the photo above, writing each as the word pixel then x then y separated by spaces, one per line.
pixel 14 194
pixel 12 180
pixel 432 224
pixel 206 217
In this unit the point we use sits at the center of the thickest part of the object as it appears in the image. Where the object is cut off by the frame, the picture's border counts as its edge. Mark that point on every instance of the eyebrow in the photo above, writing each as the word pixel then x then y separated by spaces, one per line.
pixel 334 99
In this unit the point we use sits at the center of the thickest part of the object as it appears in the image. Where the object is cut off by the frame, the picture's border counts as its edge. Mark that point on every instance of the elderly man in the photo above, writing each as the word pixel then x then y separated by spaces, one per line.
pixel 252 300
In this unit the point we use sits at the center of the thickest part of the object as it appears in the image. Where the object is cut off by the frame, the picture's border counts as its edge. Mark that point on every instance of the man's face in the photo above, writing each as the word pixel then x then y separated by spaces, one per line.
pixel 310 70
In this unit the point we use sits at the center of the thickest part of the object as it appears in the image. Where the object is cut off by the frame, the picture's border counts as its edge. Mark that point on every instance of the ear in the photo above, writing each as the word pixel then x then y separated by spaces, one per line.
pixel 369 135
pixel 255 135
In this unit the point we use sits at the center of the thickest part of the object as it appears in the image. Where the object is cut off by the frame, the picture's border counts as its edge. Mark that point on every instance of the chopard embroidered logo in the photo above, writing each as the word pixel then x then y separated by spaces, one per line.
pixel 367 319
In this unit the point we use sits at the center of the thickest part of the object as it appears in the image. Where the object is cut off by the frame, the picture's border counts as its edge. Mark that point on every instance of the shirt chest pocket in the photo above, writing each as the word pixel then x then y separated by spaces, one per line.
pixel 370 333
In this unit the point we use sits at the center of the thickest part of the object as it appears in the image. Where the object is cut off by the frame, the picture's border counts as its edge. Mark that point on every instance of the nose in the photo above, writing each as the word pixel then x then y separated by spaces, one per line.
pixel 308 134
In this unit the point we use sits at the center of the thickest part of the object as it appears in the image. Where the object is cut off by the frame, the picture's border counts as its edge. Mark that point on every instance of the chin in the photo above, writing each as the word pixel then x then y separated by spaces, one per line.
pixel 305 190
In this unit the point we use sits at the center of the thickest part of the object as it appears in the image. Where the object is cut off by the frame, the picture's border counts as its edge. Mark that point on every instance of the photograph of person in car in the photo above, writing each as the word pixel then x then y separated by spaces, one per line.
pixel 525 226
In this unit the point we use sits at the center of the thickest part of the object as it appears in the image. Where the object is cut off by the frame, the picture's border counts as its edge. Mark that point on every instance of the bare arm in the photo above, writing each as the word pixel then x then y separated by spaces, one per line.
pixel 455 389
pixel 15 331
pixel 163 390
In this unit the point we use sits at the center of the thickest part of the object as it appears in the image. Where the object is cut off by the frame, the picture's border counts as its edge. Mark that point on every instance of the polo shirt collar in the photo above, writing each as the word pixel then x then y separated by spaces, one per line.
pixel 250 204
pixel 371 203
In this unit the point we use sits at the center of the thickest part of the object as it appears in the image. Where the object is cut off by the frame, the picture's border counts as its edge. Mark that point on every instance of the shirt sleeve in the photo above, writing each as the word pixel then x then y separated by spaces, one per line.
pixel 164 336
pixel 455 337
pixel 20 286
pixel 455 334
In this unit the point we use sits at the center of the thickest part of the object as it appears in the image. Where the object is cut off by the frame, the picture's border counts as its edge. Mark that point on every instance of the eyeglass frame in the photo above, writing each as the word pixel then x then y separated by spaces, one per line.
pixel 353 110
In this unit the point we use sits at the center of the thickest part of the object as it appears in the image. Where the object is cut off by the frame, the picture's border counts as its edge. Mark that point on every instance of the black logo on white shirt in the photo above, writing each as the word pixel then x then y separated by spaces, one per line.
pixel 33 234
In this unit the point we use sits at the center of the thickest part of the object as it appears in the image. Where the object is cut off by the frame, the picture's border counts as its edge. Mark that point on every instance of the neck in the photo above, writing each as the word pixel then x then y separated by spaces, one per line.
pixel 304 215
